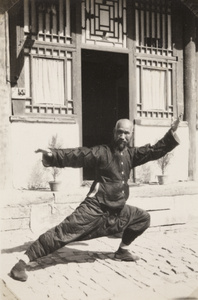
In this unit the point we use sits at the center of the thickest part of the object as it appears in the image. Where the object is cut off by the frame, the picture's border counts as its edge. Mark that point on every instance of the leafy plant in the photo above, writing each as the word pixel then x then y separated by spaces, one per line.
pixel 38 178
pixel 164 161
pixel 54 143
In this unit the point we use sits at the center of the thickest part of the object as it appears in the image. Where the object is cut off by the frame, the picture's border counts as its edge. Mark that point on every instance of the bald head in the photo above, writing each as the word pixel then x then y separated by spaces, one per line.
pixel 126 123
pixel 123 133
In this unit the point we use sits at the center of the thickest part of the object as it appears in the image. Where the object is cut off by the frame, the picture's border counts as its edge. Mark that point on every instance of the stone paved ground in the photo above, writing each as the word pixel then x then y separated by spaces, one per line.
pixel 168 268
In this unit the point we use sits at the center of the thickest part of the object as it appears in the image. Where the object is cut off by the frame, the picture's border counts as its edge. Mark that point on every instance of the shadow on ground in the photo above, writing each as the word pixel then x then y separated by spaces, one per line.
pixel 64 255
pixel 69 255
pixel 19 248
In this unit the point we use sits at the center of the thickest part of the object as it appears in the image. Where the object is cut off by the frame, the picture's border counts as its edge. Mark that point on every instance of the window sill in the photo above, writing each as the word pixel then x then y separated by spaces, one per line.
pixel 157 122
pixel 44 119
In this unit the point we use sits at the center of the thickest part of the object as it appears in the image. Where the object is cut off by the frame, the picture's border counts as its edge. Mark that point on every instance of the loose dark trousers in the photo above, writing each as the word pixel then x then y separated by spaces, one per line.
pixel 91 220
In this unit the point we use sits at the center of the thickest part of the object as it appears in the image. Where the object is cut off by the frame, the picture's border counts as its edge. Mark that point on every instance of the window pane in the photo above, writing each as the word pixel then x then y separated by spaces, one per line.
pixel 153 27
pixel 48 81
pixel 154 92
pixel 69 80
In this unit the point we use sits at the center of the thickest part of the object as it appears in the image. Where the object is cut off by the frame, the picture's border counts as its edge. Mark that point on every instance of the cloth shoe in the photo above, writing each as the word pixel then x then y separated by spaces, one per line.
pixel 125 255
pixel 18 271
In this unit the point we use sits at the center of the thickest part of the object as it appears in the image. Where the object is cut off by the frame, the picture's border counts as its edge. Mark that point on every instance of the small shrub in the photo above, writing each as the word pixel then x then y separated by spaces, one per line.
pixel 54 143
pixel 38 177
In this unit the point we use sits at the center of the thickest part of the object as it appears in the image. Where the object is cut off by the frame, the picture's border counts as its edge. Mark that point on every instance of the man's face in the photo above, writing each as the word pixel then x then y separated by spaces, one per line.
pixel 123 134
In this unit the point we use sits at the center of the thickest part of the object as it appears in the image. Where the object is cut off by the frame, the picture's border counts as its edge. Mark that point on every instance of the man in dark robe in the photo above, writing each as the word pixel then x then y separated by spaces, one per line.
pixel 104 211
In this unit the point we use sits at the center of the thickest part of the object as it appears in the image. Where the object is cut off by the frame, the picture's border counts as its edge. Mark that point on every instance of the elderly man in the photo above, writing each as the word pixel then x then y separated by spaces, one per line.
pixel 104 211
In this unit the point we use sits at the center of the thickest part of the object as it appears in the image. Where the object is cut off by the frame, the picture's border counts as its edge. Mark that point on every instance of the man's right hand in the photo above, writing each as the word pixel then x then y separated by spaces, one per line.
pixel 44 151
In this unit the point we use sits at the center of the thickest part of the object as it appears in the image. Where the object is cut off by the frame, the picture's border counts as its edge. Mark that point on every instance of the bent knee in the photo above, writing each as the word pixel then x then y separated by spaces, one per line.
pixel 147 219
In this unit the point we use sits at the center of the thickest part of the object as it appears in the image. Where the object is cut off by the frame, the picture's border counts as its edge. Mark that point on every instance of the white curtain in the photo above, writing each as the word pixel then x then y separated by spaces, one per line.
pixel 154 89
pixel 48 81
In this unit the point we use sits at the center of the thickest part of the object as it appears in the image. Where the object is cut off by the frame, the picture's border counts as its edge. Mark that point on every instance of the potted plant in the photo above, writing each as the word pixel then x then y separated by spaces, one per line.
pixel 55 144
pixel 163 162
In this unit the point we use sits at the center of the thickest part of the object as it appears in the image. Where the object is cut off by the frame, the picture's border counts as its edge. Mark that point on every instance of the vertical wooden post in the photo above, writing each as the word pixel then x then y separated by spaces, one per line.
pixel 132 61
pixel 190 87
pixel 131 43
pixel 77 73
pixel 77 70
pixel 178 74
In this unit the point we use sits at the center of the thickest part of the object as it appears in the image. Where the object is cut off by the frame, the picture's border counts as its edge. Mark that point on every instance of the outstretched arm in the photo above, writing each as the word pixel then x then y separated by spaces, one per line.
pixel 166 144
pixel 71 157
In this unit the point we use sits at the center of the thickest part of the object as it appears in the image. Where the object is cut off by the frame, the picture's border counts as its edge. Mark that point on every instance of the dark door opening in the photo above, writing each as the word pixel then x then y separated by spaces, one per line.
pixel 105 96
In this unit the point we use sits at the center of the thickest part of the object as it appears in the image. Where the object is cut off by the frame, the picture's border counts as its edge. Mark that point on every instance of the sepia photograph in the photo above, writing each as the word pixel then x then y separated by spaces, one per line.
pixel 99 149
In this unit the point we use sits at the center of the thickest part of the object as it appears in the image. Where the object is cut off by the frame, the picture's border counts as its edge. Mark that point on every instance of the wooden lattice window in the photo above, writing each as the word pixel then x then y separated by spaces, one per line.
pixel 104 23
pixel 153 27
pixel 50 89
pixel 154 88
pixel 43 62
pixel 48 20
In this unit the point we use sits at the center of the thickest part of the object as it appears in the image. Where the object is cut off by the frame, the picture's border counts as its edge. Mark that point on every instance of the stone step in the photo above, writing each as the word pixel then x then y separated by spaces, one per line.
pixel 40 210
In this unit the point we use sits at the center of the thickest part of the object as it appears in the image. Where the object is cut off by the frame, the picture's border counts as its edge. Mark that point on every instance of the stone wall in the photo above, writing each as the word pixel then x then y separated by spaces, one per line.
pixel 41 210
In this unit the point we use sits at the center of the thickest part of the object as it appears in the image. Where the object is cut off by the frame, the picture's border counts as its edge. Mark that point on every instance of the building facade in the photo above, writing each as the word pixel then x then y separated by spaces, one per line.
pixel 71 68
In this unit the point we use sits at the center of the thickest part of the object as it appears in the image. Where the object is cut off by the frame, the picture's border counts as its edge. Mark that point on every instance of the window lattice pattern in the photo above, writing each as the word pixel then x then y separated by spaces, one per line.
pixel 47 109
pixel 154 88
pixel 104 22
pixel 153 27
pixel 48 20
pixel 51 74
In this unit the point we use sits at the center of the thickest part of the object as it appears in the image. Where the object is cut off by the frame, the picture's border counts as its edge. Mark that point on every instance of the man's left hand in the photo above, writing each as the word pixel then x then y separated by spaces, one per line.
pixel 176 122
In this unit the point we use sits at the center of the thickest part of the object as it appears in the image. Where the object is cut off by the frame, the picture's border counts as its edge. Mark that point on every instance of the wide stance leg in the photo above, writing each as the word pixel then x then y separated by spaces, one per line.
pixel 138 222
pixel 84 223
pixel 88 221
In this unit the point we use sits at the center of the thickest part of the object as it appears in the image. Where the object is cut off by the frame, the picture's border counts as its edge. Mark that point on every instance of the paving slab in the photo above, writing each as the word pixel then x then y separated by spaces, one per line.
pixel 167 269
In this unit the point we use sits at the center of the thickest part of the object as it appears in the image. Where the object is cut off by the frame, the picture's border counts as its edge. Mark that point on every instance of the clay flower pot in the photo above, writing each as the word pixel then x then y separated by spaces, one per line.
pixel 162 179
pixel 55 185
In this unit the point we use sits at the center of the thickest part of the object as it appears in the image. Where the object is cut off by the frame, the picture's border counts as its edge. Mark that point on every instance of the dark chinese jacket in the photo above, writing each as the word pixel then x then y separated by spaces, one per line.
pixel 112 167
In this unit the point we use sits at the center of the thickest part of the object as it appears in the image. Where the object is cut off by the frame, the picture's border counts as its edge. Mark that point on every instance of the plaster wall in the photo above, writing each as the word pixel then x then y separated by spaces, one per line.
pixel 5 165
pixel 196 156
pixel 177 170
pixel 28 171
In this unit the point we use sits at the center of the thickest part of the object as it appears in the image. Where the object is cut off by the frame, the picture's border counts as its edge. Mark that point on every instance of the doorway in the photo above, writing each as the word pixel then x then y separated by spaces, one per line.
pixel 105 96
